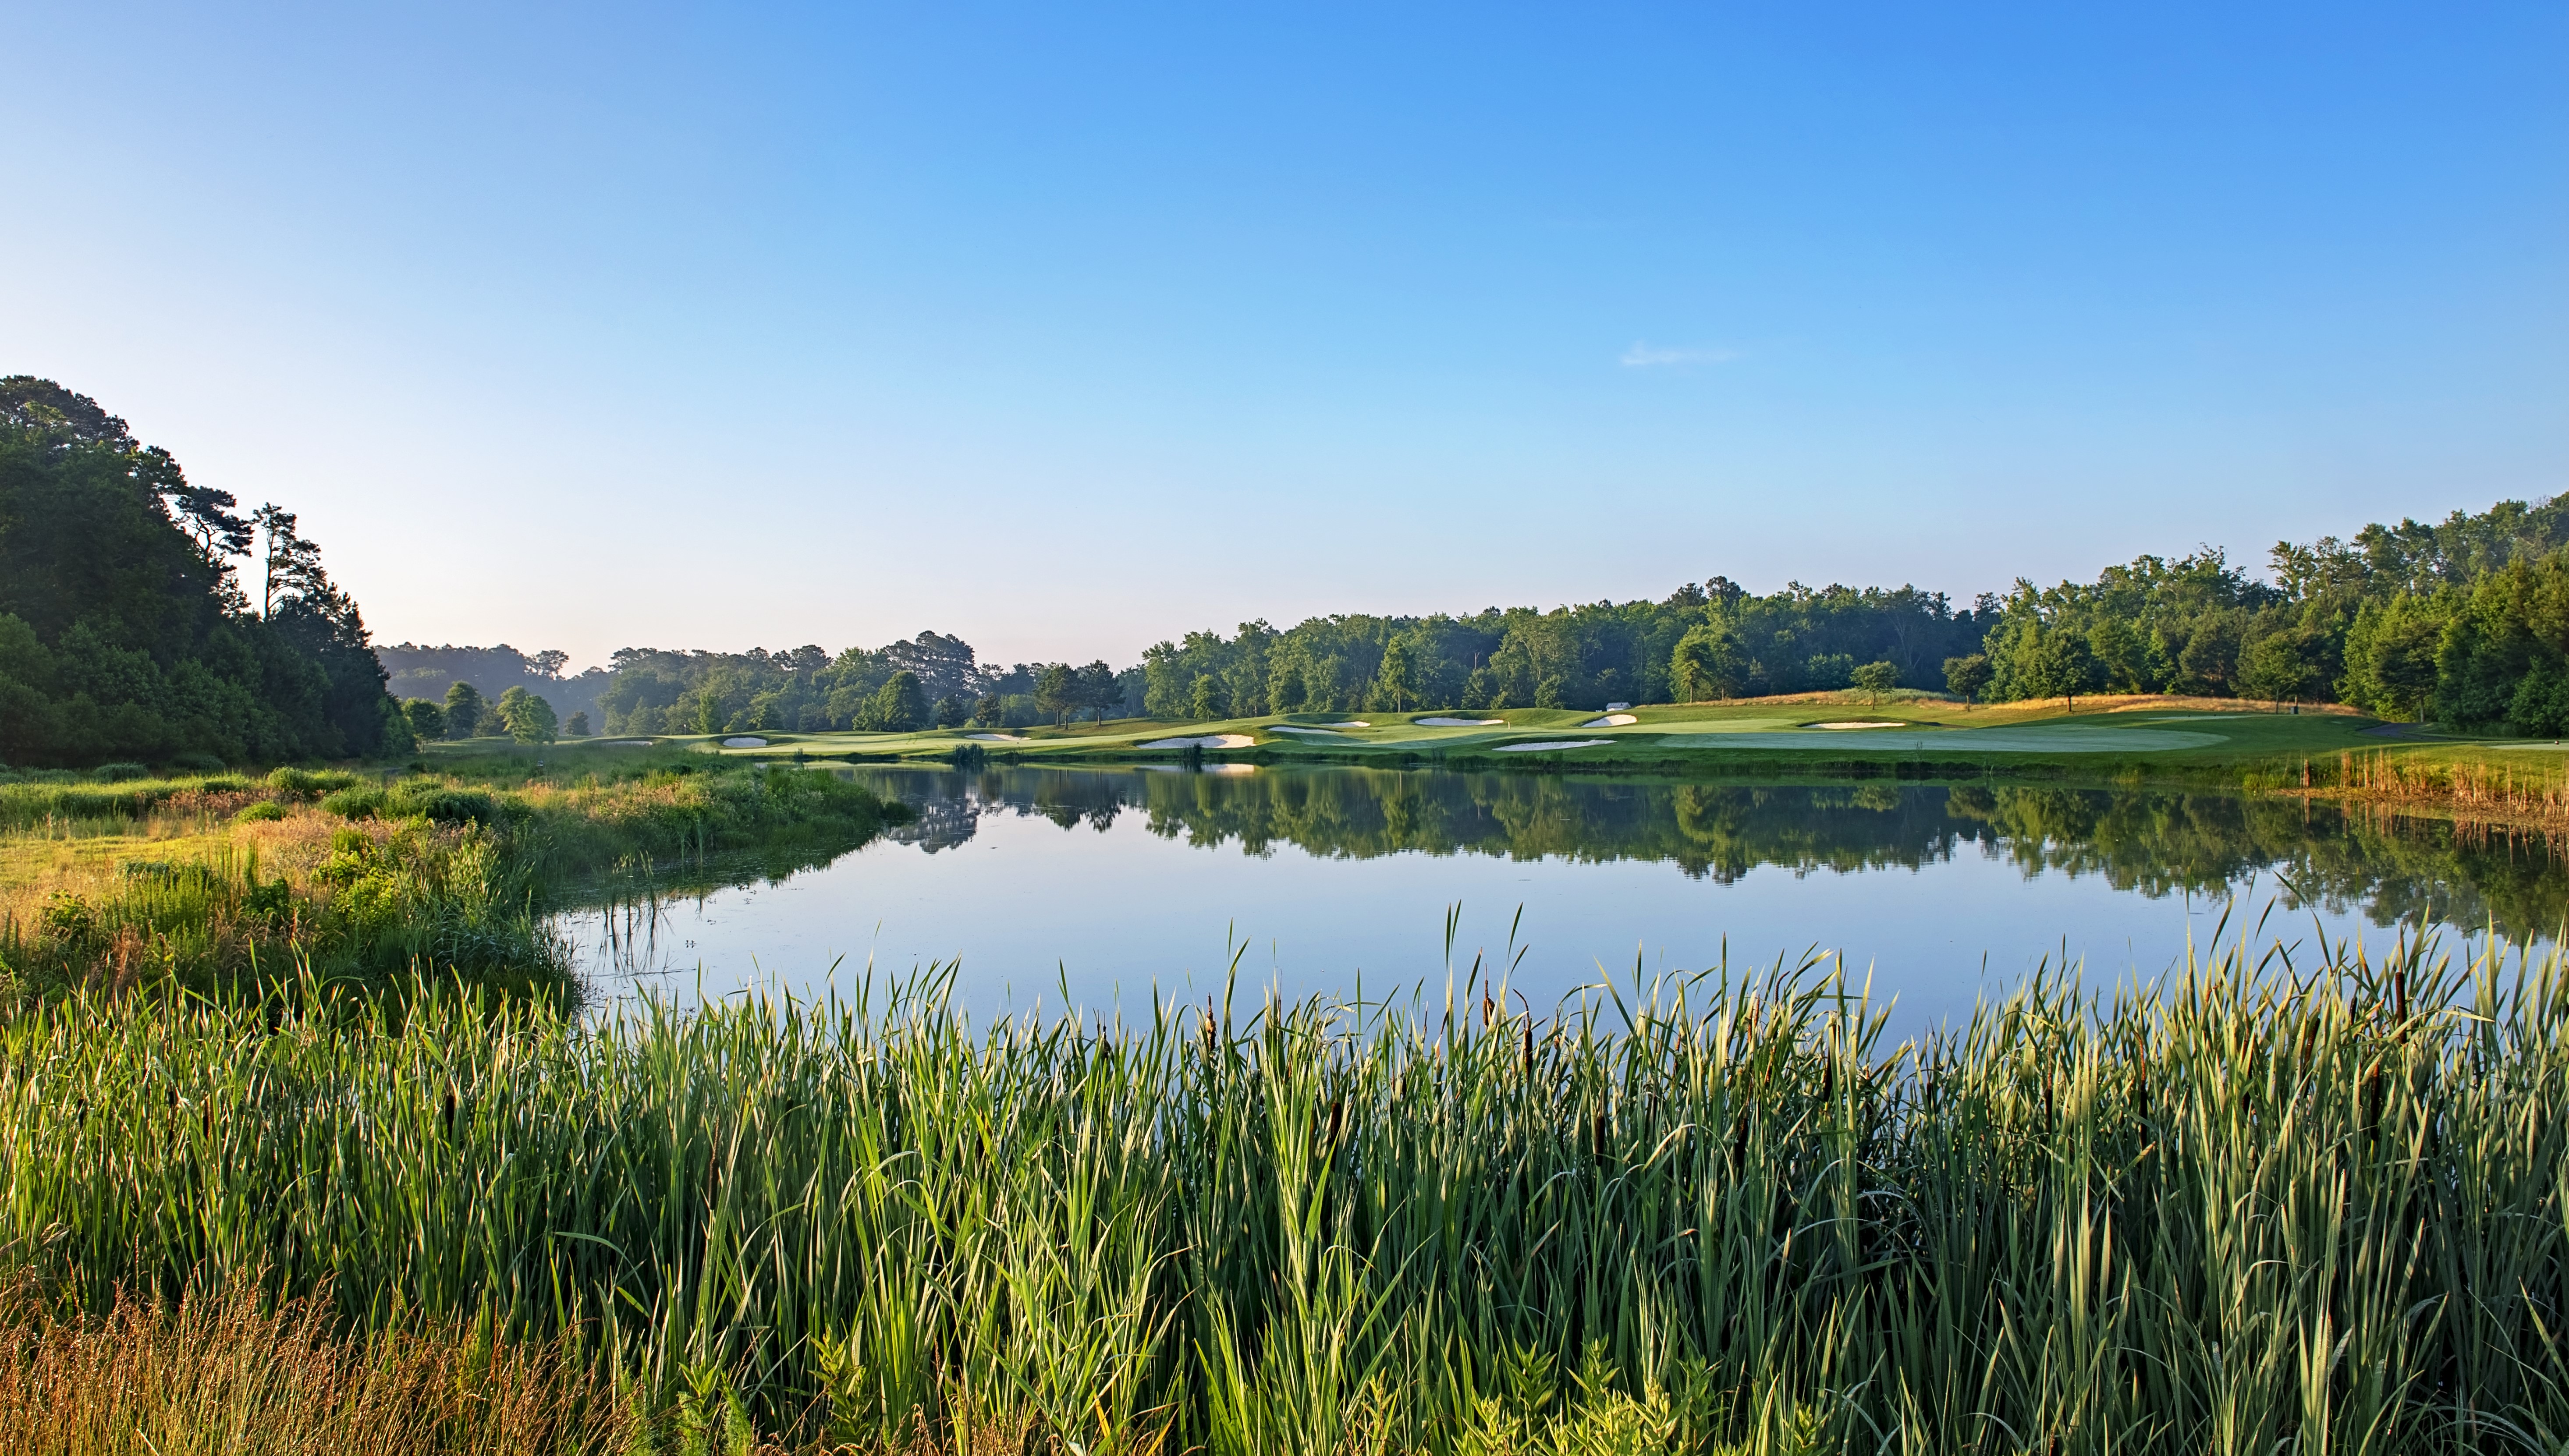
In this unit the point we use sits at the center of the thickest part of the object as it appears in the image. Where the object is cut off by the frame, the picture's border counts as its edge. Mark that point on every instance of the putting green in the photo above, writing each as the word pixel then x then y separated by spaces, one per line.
pixel 2077 739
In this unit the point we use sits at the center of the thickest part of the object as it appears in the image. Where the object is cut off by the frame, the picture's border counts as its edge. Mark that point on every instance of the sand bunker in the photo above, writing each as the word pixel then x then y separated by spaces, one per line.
pixel 744 743
pixel 999 737
pixel 1853 723
pixel 1210 768
pixel 1458 722
pixel 1309 732
pixel 1206 740
pixel 1547 747
pixel 1611 720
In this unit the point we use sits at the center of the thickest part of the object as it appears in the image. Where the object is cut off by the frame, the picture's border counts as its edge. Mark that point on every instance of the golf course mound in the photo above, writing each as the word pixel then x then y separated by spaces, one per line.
pixel 2079 739
pixel 1203 740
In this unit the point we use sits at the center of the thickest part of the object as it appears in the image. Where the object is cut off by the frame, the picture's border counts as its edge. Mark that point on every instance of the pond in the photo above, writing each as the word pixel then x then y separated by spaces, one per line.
pixel 1109 884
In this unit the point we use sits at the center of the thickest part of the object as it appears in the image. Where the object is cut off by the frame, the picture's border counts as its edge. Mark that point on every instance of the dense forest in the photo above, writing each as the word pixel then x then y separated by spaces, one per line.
pixel 143 619
pixel 126 630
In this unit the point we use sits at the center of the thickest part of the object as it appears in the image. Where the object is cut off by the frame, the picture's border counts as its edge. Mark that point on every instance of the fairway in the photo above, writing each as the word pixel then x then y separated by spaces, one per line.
pixel 2068 739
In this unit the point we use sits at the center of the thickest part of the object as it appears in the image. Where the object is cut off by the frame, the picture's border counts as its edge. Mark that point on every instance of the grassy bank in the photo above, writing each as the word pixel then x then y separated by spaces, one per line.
pixel 225 884
pixel 1834 734
pixel 2249 1211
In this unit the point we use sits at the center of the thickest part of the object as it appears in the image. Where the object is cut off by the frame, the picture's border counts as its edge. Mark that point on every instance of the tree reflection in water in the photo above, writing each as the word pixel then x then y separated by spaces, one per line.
pixel 2151 841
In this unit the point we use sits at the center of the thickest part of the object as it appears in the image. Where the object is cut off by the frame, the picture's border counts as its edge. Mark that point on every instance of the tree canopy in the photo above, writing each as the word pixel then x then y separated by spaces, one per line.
pixel 125 630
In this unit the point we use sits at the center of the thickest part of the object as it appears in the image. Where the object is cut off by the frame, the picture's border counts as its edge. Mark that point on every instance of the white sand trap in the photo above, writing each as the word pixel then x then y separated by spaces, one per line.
pixel 1306 732
pixel 1206 740
pixel 1611 720
pixel 1210 768
pixel 1841 727
pixel 1547 747
pixel 744 743
pixel 999 737
pixel 1458 722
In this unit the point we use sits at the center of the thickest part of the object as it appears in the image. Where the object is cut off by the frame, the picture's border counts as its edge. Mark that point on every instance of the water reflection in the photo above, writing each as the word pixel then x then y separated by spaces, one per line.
pixel 2149 842
pixel 1103 884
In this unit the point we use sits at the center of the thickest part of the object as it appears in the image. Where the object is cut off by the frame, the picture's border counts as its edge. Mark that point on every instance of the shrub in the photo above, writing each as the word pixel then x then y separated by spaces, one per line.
pixel 197 763
pixel 118 773
pixel 263 810
pixel 304 783
pixel 358 802
pixel 435 802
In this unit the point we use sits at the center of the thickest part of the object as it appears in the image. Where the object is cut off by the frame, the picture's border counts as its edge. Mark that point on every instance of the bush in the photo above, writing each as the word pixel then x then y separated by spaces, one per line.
pixel 260 812
pixel 197 763
pixel 429 799
pixel 358 802
pixel 118 773
pixel 304 783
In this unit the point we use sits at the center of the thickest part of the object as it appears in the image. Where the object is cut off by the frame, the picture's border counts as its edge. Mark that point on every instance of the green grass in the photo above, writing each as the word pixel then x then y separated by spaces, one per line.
pixel 225 885
pixel 2251 1210
pixel 2103 738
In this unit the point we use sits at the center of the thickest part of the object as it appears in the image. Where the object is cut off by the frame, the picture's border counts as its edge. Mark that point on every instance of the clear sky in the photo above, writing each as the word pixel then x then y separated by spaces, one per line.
pixel 1069 327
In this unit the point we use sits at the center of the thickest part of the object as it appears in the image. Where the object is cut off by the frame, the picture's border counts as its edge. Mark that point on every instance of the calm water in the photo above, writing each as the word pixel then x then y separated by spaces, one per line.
pixel 1111 883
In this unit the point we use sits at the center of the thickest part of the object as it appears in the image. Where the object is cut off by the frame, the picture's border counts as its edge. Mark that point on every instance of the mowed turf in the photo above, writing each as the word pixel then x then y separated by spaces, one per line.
pixel 1781 732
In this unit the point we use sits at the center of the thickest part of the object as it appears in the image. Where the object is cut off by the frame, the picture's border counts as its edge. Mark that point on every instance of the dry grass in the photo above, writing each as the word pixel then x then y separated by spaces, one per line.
pixel 226 1372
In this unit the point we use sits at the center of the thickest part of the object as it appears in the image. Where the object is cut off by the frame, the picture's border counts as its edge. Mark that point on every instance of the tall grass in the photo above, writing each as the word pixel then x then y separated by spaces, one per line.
pixel 221 884
pixel 2250 1208
pixel 225 1373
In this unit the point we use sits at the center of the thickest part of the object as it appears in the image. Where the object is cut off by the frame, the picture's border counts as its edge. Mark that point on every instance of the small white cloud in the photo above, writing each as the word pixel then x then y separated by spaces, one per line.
pixel 1656 356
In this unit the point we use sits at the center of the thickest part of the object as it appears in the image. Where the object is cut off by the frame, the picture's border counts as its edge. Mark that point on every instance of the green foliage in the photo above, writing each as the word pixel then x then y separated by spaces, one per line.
pixel 1057 692
pixel 2235 1212
pixel 1873 679
pixel 124 629
pixel 577 727
pixel 427 719
pixel 529 719
pixel 1967 676
pixel 899 706
pixel 434 874
pixel 465 709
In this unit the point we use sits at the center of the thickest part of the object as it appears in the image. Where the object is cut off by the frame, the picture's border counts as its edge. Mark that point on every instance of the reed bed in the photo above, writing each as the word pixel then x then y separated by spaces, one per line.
pixel 227 1372
pixel 2253 1207
pixel 2524 792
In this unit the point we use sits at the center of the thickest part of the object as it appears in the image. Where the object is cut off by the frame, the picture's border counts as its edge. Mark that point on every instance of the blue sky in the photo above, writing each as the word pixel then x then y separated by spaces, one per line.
pixel 1068 328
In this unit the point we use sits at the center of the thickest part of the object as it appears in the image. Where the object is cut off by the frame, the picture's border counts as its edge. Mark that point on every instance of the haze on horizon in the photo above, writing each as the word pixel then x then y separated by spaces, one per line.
pixel 1064 332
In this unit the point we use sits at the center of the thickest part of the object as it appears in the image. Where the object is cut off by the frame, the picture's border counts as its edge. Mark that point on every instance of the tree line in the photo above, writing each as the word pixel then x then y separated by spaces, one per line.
pixel 142 617
pixel 2466 621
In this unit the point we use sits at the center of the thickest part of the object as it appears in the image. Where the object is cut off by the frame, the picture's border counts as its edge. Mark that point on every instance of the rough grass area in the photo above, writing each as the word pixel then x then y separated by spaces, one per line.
pixel 227 1372
pixel 2258 1207
pixel 223 884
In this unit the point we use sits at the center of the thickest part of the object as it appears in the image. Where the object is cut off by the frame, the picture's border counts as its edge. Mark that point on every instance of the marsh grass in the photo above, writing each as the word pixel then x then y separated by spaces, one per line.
pixel 222 885
pixel 226 1372
pixel 2253 1207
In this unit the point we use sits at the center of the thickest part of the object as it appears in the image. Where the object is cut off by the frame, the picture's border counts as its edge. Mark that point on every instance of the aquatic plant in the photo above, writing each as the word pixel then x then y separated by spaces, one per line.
pixel 2251 1206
